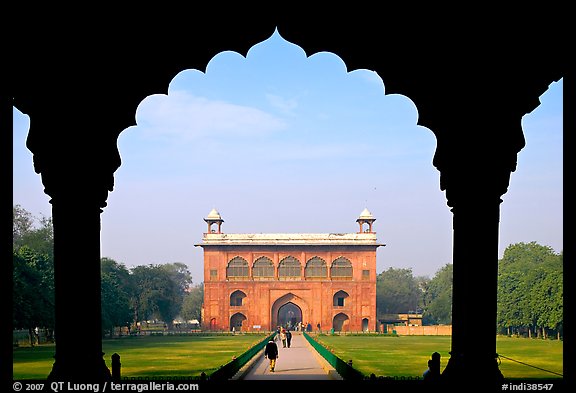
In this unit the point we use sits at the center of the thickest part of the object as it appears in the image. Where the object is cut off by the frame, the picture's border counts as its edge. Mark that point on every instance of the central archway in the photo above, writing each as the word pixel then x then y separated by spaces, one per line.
pixel 288 308
pixel 289 315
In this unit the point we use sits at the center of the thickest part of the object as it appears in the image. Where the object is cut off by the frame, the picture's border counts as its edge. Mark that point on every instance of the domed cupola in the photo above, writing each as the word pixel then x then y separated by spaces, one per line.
pixel 365 218
pixel 214 218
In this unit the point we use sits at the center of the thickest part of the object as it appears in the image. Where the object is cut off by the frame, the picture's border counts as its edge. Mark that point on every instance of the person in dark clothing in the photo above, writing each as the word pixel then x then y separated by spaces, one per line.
pixel 271 352
pixel 288 338
pixel 433 371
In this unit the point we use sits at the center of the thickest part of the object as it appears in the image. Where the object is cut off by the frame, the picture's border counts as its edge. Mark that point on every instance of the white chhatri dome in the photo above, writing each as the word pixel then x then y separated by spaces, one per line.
pixel 366 215
pixel 214 215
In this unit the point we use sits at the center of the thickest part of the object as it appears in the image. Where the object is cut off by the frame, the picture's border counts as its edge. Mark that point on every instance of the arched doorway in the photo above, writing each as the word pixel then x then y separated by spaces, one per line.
pixel 289 315
pixel 294 303
pixel 236 322
pixel 365 324
pixel 340 322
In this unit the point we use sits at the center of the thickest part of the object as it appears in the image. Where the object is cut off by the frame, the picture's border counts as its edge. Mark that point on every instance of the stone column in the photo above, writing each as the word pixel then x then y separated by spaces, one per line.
pixel 78 330
pixel 473 191
pixel 475 283
pixel 77 166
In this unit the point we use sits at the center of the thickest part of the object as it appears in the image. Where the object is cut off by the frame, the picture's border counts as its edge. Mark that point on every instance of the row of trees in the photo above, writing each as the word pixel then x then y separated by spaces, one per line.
pixel 32 272
pixel 530 292
pixel 530 287
pixel 399 291
pixel 162 291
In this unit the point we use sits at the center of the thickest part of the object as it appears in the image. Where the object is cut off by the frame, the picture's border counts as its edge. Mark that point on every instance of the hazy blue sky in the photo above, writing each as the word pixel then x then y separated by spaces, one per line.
pixel 280 142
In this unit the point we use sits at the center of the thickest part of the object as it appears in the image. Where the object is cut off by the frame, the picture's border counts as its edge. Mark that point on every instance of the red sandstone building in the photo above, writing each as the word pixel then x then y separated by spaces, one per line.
pixel 261 281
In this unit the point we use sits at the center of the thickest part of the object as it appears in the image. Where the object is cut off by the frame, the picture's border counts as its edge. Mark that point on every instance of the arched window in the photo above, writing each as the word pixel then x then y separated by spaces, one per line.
pixel 237 269
pixel 341 269
pixel 289 268
pixel 236 298
pixel 340 298
pixel 316 268
pixel 263 268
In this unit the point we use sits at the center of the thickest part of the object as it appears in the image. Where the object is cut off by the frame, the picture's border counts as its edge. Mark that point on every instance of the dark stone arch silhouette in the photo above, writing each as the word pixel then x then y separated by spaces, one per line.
pixel 471 95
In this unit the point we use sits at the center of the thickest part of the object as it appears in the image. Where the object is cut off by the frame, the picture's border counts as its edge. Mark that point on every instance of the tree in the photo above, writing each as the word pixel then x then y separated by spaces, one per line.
pixel 397 291
pixel 192 304
pixel 530 289
pixel 33 272
pixel 158 295
pixel 437 308
pixel 22 224
pixel 35 233
pixel 33 291
pixel 180 274
pixel 116 290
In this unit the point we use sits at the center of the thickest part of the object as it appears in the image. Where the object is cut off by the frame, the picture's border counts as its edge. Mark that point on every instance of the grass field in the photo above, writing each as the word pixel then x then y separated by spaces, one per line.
pixel 150 356
pixel 408 355
pixel 188 356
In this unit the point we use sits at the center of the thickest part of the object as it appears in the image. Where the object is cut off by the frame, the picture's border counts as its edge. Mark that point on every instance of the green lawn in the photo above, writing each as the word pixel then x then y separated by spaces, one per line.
pixel 408 355
pixel 150 356
pixel 188 356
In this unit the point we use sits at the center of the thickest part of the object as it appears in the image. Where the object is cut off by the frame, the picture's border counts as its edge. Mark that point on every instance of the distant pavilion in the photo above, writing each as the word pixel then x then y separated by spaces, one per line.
pixel 261 281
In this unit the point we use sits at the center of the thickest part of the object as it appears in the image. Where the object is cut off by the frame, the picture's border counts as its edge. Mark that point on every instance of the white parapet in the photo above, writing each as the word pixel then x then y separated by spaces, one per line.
pixel 368 239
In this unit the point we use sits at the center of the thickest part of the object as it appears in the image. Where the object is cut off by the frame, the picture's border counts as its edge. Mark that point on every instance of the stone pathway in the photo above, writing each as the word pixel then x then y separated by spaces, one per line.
pixel 299 362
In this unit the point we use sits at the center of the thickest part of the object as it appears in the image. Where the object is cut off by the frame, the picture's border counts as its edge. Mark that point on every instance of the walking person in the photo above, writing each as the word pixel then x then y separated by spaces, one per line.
pixel 288 337
pixel 271 352
pixel 283 337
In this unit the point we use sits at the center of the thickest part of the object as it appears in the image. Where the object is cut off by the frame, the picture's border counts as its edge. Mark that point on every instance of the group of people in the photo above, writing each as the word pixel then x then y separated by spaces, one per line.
pixel 285 336
pixel 301 326
pixel 271 349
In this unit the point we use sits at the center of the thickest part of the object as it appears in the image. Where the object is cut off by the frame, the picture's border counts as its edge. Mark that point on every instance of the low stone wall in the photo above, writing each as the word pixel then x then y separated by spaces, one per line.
pixel 432 330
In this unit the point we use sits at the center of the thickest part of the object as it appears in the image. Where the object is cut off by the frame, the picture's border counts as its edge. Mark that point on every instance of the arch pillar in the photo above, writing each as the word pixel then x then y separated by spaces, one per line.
pixel 475 283
pixel 77 179
pixel 475 176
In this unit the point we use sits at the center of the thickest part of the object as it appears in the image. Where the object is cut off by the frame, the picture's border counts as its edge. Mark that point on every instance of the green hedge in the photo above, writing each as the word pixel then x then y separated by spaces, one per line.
pixel 346 371
pixel 230 369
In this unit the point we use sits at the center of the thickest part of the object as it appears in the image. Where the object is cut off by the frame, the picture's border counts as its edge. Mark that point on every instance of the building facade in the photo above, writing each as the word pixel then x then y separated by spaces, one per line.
pixel 261 281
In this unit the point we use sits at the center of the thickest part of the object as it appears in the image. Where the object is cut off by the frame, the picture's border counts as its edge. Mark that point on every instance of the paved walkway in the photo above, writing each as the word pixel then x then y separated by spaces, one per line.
pixel 299 362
